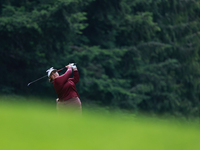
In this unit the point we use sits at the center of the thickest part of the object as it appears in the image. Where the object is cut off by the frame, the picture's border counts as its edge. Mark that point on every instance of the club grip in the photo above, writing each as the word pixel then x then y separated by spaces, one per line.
pixel 64 68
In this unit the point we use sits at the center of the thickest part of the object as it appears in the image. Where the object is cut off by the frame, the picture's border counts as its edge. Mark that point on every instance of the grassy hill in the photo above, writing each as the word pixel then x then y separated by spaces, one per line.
pixel 38 126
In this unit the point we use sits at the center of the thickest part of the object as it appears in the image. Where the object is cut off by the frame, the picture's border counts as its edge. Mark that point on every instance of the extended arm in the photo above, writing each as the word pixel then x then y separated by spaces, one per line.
pixel 61 80
pixel 75 78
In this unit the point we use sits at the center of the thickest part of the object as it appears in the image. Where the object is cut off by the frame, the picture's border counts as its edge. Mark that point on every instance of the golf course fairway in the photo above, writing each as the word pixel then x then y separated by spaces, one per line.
pixel 39 127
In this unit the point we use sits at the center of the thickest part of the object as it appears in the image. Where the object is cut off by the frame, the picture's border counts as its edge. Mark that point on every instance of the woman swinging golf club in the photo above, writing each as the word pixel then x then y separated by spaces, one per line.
pixel 68 97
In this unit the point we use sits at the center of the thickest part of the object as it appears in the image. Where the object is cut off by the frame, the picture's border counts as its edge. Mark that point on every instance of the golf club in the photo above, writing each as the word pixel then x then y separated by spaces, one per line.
pixel 45 76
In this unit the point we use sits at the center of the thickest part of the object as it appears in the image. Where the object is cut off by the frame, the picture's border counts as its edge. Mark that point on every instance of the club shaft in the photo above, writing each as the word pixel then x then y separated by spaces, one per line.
pixel 43 77
pixel 37 80
pixel 46 76
pixel 61 69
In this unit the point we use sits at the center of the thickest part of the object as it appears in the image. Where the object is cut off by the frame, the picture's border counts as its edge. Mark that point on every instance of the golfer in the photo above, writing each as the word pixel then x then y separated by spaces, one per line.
pixel 68 97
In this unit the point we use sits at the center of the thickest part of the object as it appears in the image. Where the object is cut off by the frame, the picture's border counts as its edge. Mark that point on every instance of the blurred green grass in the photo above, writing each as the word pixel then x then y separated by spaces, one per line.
pixel 35 126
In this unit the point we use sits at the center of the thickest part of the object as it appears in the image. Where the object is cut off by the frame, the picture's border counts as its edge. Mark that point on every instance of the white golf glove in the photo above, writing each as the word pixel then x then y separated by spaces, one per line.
pixel 73 66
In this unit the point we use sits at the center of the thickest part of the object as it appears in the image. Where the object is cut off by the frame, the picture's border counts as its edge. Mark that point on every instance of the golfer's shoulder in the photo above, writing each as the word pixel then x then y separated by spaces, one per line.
pixel 57 80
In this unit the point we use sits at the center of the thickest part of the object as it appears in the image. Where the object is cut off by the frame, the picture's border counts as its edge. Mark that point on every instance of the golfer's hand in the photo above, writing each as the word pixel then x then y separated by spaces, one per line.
pixel 72 65
pixel 68 66
pixel 75 69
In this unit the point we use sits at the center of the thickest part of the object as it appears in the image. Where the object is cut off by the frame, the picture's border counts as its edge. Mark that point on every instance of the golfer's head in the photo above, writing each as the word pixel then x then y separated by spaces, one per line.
pixel 52 74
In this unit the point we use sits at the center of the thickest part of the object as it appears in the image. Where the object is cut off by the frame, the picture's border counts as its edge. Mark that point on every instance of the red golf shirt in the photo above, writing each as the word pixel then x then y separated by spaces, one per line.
pixel 65 86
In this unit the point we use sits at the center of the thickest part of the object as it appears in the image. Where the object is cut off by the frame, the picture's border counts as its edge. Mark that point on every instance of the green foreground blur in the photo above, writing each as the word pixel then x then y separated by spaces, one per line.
pixel 36 126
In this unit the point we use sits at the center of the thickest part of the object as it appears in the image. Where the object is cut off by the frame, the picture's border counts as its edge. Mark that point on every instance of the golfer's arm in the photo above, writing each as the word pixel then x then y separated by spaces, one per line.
pixel 64 78
pixel 75 78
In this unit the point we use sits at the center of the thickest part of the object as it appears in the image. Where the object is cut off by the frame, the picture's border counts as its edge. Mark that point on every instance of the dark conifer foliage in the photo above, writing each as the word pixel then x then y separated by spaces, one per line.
pixel 138 55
